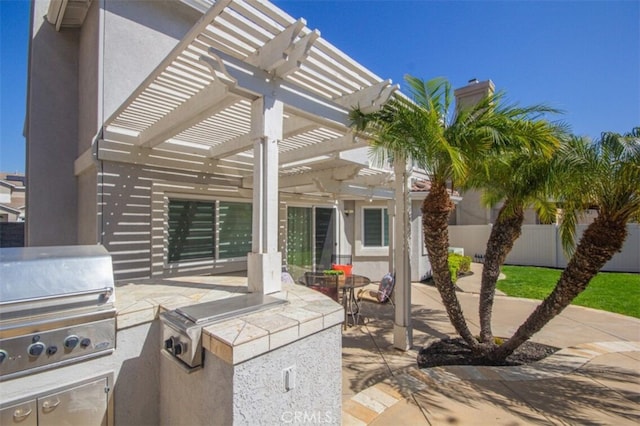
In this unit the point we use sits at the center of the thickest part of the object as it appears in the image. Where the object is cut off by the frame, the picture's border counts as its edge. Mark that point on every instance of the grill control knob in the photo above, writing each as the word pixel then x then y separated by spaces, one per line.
pixel 85 343
pixel 178 348
pixel 3 355
pixel 36 349
pixel 71 342
pixel 52 350
pixel 168 344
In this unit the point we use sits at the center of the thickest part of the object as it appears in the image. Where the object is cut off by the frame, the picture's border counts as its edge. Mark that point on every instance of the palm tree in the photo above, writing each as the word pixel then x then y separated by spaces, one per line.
pixel 519 178
pixel 605 174
pixel 445 144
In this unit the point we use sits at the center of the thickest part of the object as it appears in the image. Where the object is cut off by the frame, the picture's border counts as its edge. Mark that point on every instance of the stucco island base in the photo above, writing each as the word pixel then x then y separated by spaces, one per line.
pixel 280 366
pixel 254 391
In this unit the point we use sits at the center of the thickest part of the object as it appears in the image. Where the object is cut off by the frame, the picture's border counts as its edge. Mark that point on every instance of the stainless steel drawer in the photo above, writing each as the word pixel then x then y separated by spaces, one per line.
pixel 23 414
pixel 84 405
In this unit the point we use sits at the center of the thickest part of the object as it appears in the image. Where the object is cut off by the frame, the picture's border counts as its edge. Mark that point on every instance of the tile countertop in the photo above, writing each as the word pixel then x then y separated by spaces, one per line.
pixel 237 339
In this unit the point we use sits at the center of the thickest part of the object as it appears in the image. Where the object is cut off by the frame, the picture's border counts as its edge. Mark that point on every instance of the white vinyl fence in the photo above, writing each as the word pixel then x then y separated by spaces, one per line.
pixel 540 245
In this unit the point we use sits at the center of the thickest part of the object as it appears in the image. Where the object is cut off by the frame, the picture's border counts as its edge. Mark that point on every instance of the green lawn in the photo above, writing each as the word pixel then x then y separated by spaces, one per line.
pixel 608 291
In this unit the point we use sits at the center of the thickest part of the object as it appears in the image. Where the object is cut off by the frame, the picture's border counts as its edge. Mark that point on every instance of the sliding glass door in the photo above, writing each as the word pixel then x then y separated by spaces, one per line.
pixel 324 237
pixel 310 239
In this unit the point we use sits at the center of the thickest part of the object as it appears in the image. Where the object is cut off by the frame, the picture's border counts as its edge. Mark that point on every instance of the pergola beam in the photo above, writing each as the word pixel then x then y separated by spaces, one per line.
pixel 327 147
pixel 370 98
pixel 274 53
pixel 243 143
pixel 336 173
pixel 257 82
pixel 308 178
pixel 298 54
pixel 343 188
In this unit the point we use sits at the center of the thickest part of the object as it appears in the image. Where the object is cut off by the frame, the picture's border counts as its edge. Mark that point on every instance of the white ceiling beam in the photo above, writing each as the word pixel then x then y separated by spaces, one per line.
pixel 336 173
pixel 233 146
pixel 327 147
pixel 378 180
pixel 344 188
pixel 274 52
pixel 370 98
pixel 292 126
pixel 293 123
pixel 257 82
pixel 301 189
pixel 132 154
pixel 200 106
pixel 298 54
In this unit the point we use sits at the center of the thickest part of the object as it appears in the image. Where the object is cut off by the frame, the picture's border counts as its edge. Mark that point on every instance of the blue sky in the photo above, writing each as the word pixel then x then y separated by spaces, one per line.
pixel 582 57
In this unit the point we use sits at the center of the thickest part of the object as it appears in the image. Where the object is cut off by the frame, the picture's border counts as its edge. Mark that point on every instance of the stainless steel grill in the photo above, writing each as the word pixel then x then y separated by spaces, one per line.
pixel 56 307
pixel 182 327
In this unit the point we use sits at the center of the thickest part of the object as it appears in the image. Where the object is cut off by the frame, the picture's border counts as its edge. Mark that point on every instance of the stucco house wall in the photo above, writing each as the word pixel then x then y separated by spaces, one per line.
pixel 52 131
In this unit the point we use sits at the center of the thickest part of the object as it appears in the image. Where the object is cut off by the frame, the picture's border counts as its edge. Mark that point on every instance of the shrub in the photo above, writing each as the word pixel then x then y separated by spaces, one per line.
pixel 458 264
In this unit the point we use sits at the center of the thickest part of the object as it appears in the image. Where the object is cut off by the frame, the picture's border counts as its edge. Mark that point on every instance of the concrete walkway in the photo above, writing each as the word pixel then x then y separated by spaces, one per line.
pixel 593 379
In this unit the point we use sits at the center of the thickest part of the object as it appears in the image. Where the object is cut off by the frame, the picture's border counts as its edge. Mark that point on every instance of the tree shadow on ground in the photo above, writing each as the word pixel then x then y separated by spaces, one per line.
pixel 607 395
pixel 578 398
pixel 368 354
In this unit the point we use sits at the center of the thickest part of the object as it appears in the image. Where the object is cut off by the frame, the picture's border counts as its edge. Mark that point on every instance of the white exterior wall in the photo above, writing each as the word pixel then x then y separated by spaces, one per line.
pixel 89 95
pixel 420 264
pixel 372 262
pixel 540 245
pixel 133 225
pixel 52 131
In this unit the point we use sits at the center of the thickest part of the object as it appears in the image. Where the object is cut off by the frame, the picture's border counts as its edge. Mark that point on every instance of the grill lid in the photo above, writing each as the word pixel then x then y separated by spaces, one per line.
pixel 28 273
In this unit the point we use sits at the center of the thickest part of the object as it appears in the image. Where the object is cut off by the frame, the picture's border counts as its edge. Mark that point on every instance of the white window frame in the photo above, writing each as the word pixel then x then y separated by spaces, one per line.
pixel 360 248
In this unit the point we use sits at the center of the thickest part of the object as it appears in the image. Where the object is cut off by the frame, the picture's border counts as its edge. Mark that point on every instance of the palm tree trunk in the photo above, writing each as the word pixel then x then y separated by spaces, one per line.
pixel 436 209
pixel 504 233
pixel 602 239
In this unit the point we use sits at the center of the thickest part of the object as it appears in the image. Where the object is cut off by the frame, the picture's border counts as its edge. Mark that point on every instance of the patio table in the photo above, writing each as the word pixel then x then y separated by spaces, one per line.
pixel 349 300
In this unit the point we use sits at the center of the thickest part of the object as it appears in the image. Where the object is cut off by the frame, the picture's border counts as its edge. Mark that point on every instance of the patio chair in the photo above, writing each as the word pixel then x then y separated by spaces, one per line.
pixel 326 284
pixel 383 295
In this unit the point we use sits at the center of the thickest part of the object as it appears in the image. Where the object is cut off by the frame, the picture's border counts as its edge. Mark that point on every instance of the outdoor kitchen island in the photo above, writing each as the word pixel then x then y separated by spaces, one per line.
pixel 258 368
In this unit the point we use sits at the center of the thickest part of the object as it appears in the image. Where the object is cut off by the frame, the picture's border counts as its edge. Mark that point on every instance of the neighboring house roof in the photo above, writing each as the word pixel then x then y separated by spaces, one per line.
pixel 15 182
pixel 13 196
pixel 11 209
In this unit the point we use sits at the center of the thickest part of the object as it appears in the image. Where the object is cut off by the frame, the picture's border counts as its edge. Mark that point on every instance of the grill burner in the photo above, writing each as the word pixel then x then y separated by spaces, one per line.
pixel 56 307
pixel 182 327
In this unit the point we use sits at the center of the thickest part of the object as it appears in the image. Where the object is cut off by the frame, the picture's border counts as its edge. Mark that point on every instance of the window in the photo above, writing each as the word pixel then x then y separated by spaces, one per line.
pixel 195 226
pixel 376 227
pixel 235 230
pixel 191 230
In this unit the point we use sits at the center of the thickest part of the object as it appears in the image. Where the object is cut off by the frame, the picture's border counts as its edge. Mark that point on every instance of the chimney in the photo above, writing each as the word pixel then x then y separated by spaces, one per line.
pixel 471 94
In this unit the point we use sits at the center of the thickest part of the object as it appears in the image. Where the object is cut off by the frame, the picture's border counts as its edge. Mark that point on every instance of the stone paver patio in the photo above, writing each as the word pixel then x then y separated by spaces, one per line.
pixel 593 379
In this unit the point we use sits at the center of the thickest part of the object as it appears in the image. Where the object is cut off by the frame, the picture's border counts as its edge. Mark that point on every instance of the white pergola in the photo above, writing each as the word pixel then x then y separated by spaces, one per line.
pixel 256 97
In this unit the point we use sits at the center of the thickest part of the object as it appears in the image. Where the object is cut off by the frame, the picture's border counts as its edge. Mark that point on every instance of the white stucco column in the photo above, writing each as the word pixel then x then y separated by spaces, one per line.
pixel 402 331
pixel 265 261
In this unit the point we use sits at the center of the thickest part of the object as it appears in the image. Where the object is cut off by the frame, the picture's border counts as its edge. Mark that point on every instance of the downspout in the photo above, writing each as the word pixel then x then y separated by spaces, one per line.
pixel 100 163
